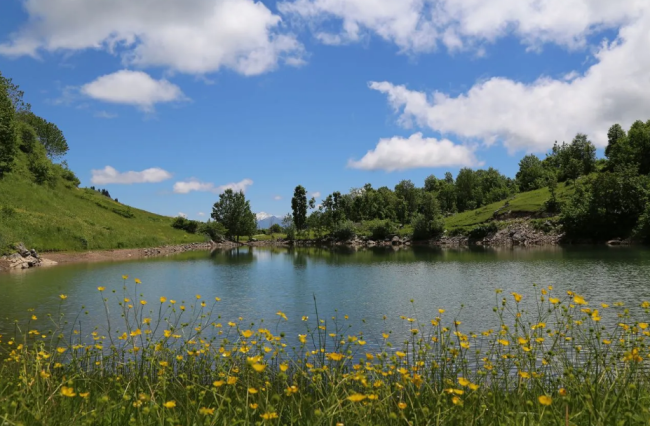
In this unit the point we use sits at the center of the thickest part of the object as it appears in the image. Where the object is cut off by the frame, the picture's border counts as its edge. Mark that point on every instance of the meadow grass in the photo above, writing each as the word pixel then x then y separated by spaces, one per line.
pixel 65 218
pixel 176 363
pixel 526 202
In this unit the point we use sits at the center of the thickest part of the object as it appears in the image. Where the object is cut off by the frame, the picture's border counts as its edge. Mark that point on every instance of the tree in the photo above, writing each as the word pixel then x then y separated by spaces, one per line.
pixel 233 211
pixel 299 208
pixel 531 174
pixel 48 133
pixel 569 161
pixel 15 95
pixel 8 140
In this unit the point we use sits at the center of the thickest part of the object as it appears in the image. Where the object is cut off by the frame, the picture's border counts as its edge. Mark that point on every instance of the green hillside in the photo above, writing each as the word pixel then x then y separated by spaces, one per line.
pixel 56 216
pixel 524 203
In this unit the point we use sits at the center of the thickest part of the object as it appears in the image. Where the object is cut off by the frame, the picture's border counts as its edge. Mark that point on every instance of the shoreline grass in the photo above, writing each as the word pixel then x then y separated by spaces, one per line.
pixel 178 363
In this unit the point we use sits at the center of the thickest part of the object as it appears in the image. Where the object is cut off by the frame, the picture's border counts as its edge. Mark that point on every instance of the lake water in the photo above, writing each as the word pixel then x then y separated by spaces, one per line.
pixel 365 285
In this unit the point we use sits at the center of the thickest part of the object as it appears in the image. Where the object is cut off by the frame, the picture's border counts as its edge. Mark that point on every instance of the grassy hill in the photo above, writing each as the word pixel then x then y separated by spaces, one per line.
pixel 525 203
pixel 58 216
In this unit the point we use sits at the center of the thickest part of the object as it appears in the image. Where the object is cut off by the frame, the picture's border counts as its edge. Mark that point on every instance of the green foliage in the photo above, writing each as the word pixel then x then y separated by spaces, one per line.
pixel 481 231
pixel 27 137
pixel 213 230
pixel 40 166
pixel 606 205
pixel 344 231
pixel 424 228
pixel 15 95
pixel 299 208
pixel 49 135
pixel 380 229
pixel 570 161
pixel 289 227
pixel 552 205
pixel 8 140
pixel 531 174
pixel 233 211
pixel 67 175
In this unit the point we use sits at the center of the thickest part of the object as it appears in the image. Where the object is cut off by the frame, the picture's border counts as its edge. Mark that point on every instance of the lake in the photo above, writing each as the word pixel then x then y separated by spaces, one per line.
pixel 256 283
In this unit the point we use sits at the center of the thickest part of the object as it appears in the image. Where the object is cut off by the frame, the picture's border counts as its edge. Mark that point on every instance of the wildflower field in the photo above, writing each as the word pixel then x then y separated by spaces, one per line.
pixel 168 362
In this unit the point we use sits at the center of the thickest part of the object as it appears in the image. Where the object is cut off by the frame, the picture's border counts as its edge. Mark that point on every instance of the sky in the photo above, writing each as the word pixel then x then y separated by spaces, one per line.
pixel 166 103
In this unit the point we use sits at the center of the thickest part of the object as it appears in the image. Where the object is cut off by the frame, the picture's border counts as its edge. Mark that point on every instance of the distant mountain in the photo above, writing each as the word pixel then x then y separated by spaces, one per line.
pixel 265 220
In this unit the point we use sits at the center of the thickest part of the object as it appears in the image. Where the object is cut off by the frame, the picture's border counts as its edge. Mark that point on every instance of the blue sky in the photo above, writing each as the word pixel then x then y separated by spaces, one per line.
pixel 180 102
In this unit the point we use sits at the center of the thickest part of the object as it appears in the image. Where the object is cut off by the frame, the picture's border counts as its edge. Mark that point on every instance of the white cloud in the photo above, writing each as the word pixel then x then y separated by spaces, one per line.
pixel 105 114
pixel 185 187
pixel 109 175
pixel 315 194
pixel 419 25
pixel 194 37
pixel 530 117
pixel 183 215
pixel 201 214
pixel 132 88
pixel 398 153
pixel 277 197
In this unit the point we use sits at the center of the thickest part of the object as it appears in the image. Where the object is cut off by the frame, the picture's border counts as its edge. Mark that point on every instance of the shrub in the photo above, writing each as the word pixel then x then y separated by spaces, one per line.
pixel 481 231
pixel 275 228
pixel 213 230
pixel 424 229
pixel 344 231
pixel 380 229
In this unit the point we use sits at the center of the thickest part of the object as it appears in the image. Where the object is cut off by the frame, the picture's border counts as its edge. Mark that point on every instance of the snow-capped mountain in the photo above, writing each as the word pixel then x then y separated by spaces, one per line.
pixel 265 220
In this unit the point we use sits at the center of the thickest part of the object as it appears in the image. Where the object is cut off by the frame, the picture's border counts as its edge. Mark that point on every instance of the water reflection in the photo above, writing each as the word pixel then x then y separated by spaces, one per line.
pixel 365 284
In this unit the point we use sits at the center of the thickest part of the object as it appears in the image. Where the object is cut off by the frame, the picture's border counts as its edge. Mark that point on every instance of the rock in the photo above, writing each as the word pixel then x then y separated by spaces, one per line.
pixel 615 242
pixel 396 241
pixel 48 262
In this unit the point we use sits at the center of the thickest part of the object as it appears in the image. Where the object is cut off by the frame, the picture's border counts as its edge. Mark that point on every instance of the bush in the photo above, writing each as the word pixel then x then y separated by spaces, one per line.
pixel 213 230
pixel 344 231
pixel 190 226
pixel 275 229
pixel 66 174
pixel 481 231
pixel 425 229
pixel 40 165
pixel 380 229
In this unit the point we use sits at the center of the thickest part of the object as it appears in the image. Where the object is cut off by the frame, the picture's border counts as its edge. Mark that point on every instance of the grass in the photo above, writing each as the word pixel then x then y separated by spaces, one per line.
pixel 523 203
pixel 175 363
pixel 65 218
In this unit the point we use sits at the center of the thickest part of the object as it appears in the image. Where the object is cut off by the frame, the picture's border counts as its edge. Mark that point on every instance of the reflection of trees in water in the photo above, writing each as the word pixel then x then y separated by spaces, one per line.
pixel 235 256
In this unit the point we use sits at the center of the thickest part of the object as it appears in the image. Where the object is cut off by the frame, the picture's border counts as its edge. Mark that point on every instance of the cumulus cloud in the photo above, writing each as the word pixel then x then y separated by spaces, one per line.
pixel 530 117
pixel 420 25
pixel 132 88
pixel 185 187
pixel 316 194
pixel 398 153
pixel 109 175
pixel 183 215
pixel 277 198
pixel 201 214
pixel 198 37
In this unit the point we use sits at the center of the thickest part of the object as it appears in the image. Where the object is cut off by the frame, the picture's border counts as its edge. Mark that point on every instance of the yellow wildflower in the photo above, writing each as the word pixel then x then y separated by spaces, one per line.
pixel 63 296
pixel 401 405
pixel 463 381
pixel 137 281
pixel 545 400
pixel 206 411
pixel 456 400
pixel 517 297
pixel 269 416
pixel 101 288
pixel 66 391
pixel 169 404
pixel 218 383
